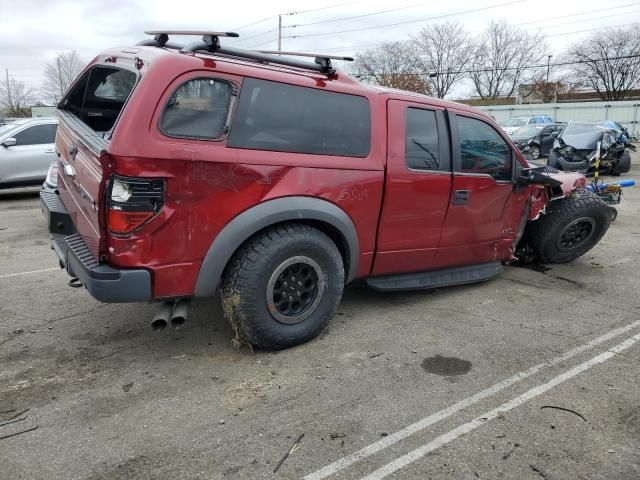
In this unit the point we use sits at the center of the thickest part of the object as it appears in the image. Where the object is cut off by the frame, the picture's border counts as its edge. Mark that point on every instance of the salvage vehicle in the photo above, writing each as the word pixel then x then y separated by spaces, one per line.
pixel 514 123
pixel 187 170
pixel 536 140
pixel 574 150
pixel 26 151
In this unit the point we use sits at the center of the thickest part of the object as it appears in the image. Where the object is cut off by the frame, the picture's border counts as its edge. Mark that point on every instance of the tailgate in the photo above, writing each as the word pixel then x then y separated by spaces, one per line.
pixel 81 178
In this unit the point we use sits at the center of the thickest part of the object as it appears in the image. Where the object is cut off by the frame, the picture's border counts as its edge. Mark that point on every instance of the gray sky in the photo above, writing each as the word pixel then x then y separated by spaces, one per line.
pixel 33 31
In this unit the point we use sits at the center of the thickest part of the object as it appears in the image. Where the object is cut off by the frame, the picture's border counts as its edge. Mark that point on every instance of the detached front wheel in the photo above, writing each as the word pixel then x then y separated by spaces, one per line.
pixel 571 227
pixel 283 286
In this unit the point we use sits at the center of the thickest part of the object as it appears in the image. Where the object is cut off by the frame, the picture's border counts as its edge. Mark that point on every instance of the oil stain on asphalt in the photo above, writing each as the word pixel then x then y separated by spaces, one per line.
pixel 446 366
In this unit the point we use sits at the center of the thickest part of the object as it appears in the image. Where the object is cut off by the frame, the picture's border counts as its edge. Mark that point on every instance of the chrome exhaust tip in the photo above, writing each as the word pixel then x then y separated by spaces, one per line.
pixel 161 318
pixel 179 314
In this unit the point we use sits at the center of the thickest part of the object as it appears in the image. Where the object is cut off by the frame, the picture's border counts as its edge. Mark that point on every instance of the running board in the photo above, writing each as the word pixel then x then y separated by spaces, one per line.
pixel 436 278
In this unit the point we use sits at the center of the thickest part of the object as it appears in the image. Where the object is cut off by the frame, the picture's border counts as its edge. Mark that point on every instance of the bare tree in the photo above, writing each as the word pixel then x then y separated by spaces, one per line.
pixel 444 51
pixel 502 59
pixel 15 97
pixel 392 64
pixel 608 61
pixel 60 73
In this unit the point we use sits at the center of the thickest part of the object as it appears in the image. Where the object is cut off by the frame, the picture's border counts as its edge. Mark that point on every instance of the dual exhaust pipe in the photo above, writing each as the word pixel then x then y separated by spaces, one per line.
pixel 170 313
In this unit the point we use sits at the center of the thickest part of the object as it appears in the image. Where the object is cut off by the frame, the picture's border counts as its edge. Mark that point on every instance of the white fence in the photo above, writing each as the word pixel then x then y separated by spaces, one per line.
pixel 625 112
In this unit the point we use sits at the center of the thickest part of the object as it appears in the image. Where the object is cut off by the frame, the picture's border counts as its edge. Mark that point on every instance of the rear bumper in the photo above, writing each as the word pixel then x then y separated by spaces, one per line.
pixel 104 283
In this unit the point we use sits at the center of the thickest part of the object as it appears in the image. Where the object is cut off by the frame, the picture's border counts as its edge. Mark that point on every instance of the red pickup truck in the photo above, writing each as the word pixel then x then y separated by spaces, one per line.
pixel 188 169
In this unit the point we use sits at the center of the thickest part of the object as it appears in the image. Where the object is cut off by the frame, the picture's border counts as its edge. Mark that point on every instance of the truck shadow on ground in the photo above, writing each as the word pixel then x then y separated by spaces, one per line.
pixel 19 194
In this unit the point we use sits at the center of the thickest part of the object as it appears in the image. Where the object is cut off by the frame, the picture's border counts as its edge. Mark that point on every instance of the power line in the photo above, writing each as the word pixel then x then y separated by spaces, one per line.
pixel 359 46
pixel 408 21
pixel 586 20
pixel 263 43
pixel 335 20
pixel 291 13
pixel 592 29
pixel 254 23
pixel 542 65
pixel 300 12
pixel 256 35
pixel 608 9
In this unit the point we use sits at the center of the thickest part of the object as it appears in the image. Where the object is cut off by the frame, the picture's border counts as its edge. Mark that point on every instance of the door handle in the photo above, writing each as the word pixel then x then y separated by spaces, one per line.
pixel 69 171
pixel 49 151
pixel 460 197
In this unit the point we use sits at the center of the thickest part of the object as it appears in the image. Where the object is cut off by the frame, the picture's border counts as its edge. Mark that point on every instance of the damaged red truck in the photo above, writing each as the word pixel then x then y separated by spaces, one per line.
pixel 188 170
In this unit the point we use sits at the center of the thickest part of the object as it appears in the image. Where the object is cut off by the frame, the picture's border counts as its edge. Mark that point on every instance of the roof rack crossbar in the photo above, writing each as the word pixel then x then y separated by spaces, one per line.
pixel 257 56
pixel 237 52
pixel 210 43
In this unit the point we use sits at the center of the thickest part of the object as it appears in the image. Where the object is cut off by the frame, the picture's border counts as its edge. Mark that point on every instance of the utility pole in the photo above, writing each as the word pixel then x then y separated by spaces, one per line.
pixel 548 65
pixel 59 76
pixel 279 32
pixel 9 104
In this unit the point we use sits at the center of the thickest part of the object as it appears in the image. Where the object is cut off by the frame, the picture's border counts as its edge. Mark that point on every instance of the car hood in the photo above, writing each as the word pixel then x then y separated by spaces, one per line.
pixel 522 138
pixel 510 130
pixel 582 141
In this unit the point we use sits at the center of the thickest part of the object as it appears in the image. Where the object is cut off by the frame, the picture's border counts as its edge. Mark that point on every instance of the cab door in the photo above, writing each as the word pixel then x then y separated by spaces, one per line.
pixel 417 188
pixel 486 211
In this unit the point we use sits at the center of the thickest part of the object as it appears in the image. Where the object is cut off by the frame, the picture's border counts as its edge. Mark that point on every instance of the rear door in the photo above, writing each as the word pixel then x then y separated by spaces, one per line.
pixel 485 211
pixel 417 188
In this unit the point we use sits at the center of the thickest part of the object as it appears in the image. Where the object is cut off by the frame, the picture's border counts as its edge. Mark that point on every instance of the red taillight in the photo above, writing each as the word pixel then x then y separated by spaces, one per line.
pixel 133 202
pixel 126 222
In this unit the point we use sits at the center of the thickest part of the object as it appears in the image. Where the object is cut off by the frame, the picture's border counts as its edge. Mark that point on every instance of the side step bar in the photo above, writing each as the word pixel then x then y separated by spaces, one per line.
pixel 436 278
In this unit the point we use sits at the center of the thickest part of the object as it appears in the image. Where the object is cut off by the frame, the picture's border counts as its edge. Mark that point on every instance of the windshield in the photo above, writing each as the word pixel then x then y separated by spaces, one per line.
pixel 4 129
pixel 527 131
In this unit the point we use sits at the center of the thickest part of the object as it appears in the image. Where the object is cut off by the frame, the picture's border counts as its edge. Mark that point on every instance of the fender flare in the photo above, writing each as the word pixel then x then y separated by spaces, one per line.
pixel 261 216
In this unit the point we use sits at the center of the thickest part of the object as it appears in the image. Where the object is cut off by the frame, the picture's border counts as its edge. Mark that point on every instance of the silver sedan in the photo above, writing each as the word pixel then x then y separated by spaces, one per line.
pixel 27 148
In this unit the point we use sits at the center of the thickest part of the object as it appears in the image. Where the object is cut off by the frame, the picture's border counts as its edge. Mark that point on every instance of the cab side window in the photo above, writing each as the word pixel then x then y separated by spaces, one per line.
pixel 482 149
pixel 422 151
pixel 37 135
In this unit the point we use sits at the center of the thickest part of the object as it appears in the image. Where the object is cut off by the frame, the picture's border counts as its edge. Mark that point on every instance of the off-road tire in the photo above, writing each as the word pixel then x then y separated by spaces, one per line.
pixel 548 235
pixel 623 165
pixel 250 272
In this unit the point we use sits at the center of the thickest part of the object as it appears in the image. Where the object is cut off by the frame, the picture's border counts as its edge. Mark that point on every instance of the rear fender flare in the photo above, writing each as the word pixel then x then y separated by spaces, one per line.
pixel 261 216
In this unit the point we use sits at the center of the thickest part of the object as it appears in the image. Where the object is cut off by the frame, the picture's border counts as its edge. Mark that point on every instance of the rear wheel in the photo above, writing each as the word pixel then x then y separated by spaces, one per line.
pixel 571 227
pixel 283 286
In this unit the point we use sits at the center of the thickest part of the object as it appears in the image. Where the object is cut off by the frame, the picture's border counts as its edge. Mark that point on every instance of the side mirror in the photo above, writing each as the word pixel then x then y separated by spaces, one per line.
pixel 555 134
pixel 536 175
pixel 9 142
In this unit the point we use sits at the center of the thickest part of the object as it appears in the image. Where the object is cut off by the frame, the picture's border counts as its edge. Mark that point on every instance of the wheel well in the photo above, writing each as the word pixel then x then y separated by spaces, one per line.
pixel 329 230
pixel 317 213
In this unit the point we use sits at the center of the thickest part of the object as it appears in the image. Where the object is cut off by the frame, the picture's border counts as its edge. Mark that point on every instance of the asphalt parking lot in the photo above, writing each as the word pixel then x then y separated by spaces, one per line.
pixel 532 375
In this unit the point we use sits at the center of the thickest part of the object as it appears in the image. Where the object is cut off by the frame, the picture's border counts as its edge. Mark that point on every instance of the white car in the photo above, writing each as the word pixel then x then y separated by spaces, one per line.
pixel 514 123
pixel 27 149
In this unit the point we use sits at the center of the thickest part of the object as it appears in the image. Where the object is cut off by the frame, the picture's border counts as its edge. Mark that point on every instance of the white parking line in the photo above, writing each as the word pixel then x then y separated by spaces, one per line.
pixel 456 407
pixel 28 273
pixel 492 414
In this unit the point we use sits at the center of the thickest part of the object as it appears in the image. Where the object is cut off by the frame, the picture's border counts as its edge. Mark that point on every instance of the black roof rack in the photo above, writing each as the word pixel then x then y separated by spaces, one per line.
pixel 211 44
pixel 320 58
